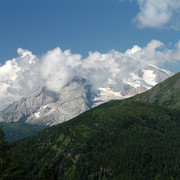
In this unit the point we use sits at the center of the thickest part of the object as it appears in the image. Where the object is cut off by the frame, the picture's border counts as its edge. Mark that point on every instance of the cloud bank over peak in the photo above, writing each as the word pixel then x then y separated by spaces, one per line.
pixel 26 73
pixel 158 14
pixel 58 67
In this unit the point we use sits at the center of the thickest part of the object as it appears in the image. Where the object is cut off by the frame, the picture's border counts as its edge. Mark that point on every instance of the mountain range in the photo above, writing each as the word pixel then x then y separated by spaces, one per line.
pixel 45 107
pixel 134 138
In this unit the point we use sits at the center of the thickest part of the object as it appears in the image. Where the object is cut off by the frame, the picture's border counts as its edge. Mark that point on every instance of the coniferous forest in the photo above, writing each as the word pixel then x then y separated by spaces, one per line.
pixel 123 141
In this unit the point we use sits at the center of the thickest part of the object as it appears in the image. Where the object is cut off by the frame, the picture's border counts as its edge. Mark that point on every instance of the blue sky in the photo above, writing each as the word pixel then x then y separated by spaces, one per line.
pixel 79 25
pixel 48 42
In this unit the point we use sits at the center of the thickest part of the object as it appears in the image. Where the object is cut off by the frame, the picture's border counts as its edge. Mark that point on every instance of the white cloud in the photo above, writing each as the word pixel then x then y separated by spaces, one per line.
pixel 26 73
pixel 58 67
pixel 158 14
pixel 18 77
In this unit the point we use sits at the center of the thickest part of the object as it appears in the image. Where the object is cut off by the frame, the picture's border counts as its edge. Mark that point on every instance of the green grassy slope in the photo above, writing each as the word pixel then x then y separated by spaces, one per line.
pixel 166 94
pixel 129 140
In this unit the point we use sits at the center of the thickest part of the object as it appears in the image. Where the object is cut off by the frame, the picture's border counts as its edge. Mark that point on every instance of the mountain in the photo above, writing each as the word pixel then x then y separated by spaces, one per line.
pixel 121 139
pixel 45 107
pixel 48 107
pixel 139 81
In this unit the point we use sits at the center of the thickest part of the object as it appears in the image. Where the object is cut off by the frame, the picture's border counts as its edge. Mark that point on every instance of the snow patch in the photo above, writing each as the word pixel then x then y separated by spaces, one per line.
pixel 37 114
pixel 149 77
pixel 105 95
pixel 135 81
pixel 48 109
pixel 162 70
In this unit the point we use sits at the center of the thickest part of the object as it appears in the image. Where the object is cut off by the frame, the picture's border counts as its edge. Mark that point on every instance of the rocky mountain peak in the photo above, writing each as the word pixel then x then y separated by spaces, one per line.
pixel 47 107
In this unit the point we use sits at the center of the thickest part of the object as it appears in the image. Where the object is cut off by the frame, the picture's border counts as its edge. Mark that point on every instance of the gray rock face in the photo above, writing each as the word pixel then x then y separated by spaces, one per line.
pixel 129 90
pixel 73 99
pixel 50 108
pixel 21 110
pixel 47 107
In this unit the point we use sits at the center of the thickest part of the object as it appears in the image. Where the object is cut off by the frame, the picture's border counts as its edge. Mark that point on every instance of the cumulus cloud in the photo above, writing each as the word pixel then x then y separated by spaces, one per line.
pixel 154 53
pixel 18 77
pixel 58 67
pixel 158 14
pixel 24 74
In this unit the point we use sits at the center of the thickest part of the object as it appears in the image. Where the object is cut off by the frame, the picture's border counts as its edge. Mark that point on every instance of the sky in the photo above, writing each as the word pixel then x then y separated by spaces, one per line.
pixel 83 25
pixel 57 39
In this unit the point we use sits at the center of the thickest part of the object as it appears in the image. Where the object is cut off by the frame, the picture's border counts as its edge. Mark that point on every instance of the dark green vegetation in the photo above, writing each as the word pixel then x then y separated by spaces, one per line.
pixel 10 162
pixel 18 130
pixel 129 140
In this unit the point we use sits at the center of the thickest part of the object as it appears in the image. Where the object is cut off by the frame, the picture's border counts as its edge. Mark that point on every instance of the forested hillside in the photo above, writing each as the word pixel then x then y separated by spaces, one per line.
pixel 130 140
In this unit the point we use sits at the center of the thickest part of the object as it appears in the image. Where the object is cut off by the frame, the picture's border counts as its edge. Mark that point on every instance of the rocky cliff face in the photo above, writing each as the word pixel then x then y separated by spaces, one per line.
pixel 50 108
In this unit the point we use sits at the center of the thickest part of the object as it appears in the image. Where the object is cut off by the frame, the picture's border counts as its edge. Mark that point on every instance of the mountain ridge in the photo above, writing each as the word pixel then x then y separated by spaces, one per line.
pixel 46 107
pixel 132 140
